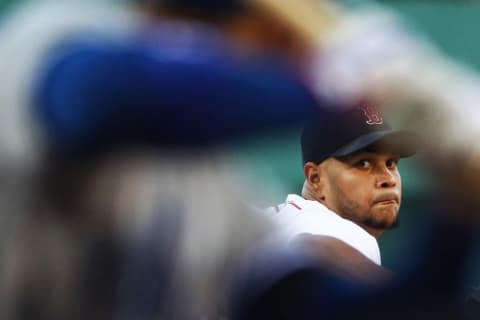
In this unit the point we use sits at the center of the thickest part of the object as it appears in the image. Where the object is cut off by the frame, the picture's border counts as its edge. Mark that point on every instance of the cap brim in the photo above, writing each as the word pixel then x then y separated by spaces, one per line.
pixel 401 143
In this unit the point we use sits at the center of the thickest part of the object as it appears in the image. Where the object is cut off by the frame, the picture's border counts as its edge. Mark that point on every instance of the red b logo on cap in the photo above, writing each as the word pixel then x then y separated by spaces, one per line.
pixel 373 116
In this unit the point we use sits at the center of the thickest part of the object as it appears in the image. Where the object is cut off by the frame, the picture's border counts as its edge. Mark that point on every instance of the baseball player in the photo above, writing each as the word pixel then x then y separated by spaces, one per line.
pixel 352 189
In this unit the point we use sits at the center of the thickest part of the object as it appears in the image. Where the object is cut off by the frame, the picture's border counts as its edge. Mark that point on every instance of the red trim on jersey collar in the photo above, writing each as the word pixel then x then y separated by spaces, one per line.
pixel 295 205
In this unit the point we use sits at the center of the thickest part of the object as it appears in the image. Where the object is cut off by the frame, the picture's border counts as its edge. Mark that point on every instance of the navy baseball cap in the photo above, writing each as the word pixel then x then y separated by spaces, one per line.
pixel 343 132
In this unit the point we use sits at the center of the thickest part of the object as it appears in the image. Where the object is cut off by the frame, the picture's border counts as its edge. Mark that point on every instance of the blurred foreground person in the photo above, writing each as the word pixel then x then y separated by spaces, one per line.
pixel 129 211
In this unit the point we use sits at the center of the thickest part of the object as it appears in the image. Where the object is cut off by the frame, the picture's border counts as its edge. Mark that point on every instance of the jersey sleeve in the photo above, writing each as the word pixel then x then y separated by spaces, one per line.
pixel 90 92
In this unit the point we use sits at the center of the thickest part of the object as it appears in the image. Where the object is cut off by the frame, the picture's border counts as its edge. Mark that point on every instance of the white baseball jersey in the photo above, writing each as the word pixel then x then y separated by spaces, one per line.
pixel 297 216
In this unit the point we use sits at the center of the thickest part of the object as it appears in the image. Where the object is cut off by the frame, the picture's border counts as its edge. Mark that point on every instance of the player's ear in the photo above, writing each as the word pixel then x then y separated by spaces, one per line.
pixel 314 183
pixel 312 173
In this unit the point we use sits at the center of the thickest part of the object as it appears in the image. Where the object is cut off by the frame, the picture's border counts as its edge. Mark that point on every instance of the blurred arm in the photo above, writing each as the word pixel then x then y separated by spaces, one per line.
pixel 341 259
pixel 92 88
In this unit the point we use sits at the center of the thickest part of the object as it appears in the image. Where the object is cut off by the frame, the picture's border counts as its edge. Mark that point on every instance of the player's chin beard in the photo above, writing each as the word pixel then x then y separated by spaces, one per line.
pixel 381 225
pixel 349 209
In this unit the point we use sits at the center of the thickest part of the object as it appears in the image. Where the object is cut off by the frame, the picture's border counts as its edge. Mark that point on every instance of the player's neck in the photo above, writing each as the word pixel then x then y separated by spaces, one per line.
pixel 374 232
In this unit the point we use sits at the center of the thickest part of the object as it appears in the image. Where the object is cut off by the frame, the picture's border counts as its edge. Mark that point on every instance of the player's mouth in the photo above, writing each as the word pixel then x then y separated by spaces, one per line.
pixel 387 202
pixel 387 199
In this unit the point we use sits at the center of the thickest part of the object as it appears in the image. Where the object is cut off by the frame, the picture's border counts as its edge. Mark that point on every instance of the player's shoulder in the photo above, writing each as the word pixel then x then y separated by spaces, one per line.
pixel 298 210
pixel 299 216
pixel 292 202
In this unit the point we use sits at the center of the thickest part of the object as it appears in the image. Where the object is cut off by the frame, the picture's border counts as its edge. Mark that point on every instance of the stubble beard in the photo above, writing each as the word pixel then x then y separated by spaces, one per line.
pixel 352 210
pixel 382 224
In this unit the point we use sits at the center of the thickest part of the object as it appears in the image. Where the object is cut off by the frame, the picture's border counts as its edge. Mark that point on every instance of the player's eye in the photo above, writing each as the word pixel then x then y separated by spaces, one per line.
pixel 363 164
pixel 391 163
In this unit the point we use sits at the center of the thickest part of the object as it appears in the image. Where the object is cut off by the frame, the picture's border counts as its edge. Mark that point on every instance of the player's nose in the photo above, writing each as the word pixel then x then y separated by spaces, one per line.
pixel 386 179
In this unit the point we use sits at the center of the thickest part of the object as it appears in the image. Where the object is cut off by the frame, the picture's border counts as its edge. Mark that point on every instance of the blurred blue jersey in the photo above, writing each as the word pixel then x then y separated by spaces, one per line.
pixel 170 85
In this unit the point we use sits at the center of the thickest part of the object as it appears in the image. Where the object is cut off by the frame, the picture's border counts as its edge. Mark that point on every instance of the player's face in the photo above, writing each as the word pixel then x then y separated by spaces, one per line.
pixel 364 187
